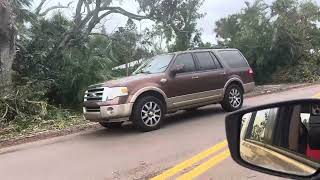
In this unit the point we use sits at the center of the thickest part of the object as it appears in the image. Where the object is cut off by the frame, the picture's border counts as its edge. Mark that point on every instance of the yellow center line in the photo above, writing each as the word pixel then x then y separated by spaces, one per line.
pixel 185 164
pixel 205 166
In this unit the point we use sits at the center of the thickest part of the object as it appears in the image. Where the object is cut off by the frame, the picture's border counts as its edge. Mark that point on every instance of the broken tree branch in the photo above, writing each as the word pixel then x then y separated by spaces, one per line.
pixel 38 9
pixel 120 10
pixel 87 6
pixel 77 17
pixel 86 23
pixel 59 6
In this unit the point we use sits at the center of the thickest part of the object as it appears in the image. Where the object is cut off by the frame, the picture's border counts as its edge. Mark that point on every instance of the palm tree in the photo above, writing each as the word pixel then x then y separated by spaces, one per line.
pixel 21 10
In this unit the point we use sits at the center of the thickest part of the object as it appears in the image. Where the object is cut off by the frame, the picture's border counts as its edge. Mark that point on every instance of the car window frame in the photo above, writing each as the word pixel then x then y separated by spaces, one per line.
pixel 216 60
pixel 194 62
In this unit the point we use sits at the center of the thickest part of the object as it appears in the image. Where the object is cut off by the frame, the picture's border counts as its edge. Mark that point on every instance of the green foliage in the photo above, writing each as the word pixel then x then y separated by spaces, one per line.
pixel 304 71
pixel 177 19
pixel 23 109
pixel 52 73
pixel 153 38
pixel 87 61
pixel 21 12
pixel 83 66
pixel 274 37
pixel 125 46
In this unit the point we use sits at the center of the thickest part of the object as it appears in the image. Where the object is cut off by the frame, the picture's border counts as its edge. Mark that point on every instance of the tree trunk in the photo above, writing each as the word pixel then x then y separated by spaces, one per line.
pixel 7 43
pixel 6 59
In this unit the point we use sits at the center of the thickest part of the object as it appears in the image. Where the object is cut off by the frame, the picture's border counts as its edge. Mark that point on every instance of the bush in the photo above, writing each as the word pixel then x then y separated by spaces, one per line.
pixel 306 71
pixel 23 108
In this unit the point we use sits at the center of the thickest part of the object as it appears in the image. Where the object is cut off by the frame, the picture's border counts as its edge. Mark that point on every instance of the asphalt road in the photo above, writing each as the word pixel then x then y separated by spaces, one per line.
pixel 129 154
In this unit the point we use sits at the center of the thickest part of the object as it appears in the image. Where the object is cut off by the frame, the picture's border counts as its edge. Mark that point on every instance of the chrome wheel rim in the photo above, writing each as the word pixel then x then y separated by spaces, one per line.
pixel 235 98
pixel 151 114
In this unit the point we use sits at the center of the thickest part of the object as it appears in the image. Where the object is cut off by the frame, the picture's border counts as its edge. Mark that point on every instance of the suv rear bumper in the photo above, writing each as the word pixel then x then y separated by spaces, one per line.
pixel 249 87
pixel 111 113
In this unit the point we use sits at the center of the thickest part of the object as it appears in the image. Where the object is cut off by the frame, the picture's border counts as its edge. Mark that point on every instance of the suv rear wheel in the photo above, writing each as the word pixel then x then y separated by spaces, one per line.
pixel 233 98
pixel 111 125
pixel 148 113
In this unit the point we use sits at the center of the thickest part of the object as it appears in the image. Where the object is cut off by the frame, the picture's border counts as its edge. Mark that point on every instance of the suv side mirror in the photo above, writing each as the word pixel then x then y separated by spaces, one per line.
pixel 179 68
pixel 281 139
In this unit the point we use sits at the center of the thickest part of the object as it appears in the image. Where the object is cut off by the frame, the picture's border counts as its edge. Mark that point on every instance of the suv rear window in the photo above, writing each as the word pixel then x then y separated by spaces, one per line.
pixel 233 58
pixel 205 61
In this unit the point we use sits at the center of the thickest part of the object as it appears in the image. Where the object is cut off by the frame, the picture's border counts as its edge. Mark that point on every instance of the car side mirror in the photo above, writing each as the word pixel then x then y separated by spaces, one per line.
pixel 281 139
pixel 179 68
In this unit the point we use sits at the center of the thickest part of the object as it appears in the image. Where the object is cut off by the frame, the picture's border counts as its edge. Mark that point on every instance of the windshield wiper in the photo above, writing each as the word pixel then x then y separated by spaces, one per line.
pixel 142 72
pixel 163 67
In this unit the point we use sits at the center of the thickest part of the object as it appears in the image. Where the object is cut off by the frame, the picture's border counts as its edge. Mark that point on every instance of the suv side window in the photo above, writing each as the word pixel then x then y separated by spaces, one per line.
pixel 233 58
pixel 187 60
pixel 216 61
pixel 205 61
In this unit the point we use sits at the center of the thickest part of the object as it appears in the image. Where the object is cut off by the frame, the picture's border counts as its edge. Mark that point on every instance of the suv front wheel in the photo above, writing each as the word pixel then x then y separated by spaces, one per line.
pixel 233 98
pixel 148 113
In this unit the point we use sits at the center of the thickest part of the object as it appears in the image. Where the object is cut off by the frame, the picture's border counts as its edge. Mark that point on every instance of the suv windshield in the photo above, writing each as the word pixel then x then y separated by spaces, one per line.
pixel 156 64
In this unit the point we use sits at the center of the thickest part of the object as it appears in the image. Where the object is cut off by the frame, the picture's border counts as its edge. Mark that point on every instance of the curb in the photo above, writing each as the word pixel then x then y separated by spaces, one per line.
pixel 253 94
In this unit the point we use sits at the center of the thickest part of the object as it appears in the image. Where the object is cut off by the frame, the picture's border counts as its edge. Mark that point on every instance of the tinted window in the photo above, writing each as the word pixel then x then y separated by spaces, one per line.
pixel 233 59
pixel 187 61
pixel 218 64
pixel 205 61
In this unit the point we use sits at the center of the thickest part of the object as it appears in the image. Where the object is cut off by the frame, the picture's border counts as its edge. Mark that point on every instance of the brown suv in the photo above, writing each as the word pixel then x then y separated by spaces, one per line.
pixel 166 83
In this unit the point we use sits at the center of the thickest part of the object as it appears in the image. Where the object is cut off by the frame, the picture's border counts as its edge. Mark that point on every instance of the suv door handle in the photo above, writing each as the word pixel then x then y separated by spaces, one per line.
pixel 195 77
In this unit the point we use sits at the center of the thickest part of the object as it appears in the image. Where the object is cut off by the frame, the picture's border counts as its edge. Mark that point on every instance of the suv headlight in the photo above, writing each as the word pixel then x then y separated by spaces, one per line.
pixel 111 93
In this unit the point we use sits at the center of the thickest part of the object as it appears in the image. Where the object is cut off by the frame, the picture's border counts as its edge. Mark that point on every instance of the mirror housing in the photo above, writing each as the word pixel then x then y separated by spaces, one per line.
pixel 234 125
pixel 179 68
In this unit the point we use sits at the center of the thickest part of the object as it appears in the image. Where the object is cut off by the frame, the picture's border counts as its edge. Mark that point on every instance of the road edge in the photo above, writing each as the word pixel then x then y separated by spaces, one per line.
pixel 90 126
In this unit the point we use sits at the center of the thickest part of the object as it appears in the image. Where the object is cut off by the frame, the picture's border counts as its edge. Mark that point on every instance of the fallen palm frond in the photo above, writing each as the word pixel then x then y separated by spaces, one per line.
pixel 22 112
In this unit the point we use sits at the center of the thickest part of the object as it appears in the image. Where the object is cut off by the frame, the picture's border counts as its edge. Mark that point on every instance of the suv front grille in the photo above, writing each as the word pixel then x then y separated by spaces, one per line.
pixel 94 109
pixel 95 94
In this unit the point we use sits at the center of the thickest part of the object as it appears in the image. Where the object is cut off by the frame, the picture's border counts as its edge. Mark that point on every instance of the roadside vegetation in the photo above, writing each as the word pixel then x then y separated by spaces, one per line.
pixel 47 60
pixel 281 41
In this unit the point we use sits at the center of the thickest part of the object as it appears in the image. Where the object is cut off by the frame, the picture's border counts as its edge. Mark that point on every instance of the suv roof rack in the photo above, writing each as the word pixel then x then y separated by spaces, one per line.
pixel 213 47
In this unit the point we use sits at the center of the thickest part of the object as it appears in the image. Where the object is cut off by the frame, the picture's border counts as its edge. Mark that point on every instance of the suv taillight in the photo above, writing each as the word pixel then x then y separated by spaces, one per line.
pixel 250 72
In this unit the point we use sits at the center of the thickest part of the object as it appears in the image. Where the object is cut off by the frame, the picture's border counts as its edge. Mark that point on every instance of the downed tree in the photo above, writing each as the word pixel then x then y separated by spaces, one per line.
pixel 87 15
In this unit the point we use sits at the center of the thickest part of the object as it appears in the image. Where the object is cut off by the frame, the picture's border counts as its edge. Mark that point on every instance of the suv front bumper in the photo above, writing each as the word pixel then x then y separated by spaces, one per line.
pixel 111 113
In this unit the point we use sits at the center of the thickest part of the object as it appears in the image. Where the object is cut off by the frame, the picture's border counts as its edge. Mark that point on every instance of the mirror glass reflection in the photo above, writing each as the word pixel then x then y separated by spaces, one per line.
pixel 285 139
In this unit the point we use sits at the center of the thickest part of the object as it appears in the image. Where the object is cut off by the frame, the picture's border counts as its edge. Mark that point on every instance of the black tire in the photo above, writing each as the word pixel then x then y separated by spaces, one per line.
pixel 146 119
pixel 111 125
pixel 232 96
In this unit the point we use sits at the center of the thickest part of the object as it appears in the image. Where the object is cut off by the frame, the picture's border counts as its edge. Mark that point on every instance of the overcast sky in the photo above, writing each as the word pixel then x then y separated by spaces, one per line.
pixel 214 9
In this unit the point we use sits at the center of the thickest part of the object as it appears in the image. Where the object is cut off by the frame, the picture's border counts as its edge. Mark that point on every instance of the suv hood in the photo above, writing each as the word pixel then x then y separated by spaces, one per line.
pixel 130 80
